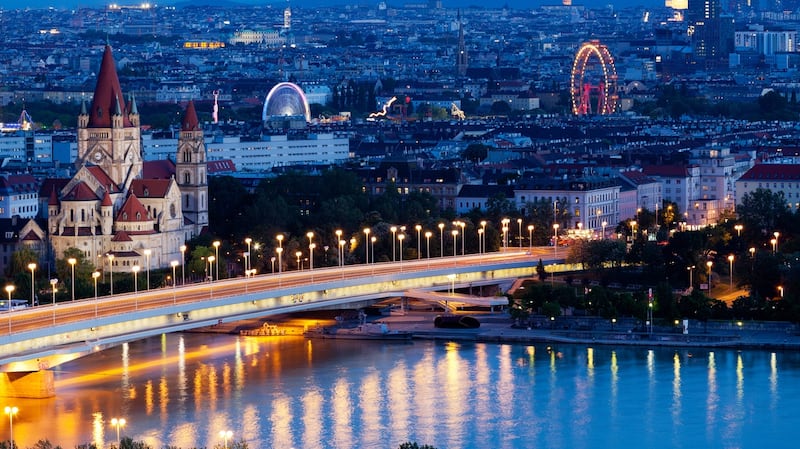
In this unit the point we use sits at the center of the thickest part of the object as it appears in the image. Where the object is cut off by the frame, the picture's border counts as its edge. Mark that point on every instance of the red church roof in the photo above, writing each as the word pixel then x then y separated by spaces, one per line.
pixel 108 98
pixel 103 178
pixel 121 236
pixel 106 199
pixel 81 192
pixel 132 210
pixel 150 188
pixel 160 169
pixel 190 122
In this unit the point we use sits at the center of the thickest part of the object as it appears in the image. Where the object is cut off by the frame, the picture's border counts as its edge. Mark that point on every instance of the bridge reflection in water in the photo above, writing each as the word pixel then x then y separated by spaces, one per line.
pixel 38 339
pixel 182 389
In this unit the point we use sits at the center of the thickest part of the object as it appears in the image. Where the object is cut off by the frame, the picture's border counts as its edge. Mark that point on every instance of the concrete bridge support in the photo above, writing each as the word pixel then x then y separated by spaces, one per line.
pixel 33 384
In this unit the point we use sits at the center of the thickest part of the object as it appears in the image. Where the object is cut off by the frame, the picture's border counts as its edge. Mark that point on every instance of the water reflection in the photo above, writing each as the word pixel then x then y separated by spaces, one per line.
pixel 181 390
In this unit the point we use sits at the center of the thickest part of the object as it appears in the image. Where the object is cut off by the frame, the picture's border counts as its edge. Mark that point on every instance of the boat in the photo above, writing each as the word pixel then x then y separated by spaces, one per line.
pixel 364 331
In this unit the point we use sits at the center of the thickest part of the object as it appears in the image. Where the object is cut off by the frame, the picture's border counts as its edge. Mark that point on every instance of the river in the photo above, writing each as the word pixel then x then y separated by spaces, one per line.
pixel 181 390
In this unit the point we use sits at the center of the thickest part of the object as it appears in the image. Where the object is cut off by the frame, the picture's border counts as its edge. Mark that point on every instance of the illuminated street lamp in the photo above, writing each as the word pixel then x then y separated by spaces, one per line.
pixel 530 239
pixel 455 238
pixel 480 240
pixel 709 264
pixel 419 241
pixel 225 435
pixel 147 253
pixel 211 260
pixel 505 223
pixel 111 273
pixel 247 240
pixel 117 423
pixel 298 254
pixel 690 270
pixel 483 234
pixel 555 239
pixel 216 244
pixel 183 261
pixel 32 267
pixel 604 224
pixel 311 248
pixel 366 244
pixel 279 237
pixel 774 243
pixel 135 270
pixel 174 264
pixel 519 236
pixel 428 235
pixel 730 259
pixel 441 239
pixel 463 235
pixel 72 261
pixel 780 289
pixel 53 283
pixel 401 237
pixel 279 250
pixel 372 241
pixel 9 289
pixel 776 234
pixel 738 228
pixel 11 411
pixel 394 236
pixel 341 246
pixel 95 275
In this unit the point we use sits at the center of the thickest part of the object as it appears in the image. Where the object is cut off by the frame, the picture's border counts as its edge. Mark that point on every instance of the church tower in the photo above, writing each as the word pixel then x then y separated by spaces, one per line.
pixel 462 61
pixel 190 171
pixel 108 133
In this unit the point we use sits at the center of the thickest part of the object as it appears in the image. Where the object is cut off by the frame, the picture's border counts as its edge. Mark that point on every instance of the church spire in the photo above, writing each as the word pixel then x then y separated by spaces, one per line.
pixel 107 94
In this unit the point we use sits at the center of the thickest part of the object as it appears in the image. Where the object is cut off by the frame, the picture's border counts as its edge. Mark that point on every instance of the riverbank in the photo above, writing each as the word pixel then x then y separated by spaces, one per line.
pixel 498 328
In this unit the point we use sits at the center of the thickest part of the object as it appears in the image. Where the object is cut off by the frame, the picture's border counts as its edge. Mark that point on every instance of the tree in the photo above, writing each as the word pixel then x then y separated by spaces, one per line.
pixel 475 152
pixel 762 210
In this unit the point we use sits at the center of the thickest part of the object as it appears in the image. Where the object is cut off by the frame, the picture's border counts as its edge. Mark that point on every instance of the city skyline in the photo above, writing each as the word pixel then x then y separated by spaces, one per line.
pixel 495 4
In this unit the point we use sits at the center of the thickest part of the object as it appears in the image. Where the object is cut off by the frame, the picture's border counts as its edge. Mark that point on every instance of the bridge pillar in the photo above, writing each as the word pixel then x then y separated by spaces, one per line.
pixel 34 385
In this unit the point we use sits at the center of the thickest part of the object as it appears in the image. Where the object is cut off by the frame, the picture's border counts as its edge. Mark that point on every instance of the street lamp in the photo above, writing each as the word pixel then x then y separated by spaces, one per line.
pixel 225 435
pixel 530 239
pixel 279 250
pixel 401 237
pixel 95 275
pixel 216 244
pixel 428 235
pixel 483 234
pixel 272 259
pixel 72 261
pixel 298 254
pixel 11 411
pixel 519 236
pixel 366 244
pixel 730 259
pixel 211 260
pixel 118 422
pixel 372 241
pixel 53 283
pixel 183 261
pixel 174 264
pixel 311 248
pixel 776 234
pixel 394 233
pixel 780 288
pixel 419 241
pixel 147 253
pixel 738 228
pixel 341 246
pixel 455 237
pixel 555 239
pixel 32 267
pixel 111 273
pixel 247 240
pixel 9 289
pixel 690 270
pixel 774 243
pixel 709 264
pixel 463 235
pixel 505 223
pixel 480 240
pixel 135 270
pixel 604 224
pixel 441 239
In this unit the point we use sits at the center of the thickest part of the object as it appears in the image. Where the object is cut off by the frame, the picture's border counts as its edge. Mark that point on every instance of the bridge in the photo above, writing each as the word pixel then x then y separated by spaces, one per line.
pixel 34 340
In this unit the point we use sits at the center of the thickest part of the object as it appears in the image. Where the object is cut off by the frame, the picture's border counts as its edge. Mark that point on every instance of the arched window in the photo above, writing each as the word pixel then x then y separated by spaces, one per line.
pixel 187 177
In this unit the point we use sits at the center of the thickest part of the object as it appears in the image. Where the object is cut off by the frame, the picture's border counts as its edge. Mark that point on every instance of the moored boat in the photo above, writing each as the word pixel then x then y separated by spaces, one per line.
pixel 365 331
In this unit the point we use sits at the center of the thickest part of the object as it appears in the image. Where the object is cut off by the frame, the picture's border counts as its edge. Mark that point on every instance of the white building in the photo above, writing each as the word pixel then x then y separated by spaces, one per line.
pixel 261 155
pixel 19 196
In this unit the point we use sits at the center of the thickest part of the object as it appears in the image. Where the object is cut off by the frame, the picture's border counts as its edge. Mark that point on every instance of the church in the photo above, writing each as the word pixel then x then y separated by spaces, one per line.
pixel 117 208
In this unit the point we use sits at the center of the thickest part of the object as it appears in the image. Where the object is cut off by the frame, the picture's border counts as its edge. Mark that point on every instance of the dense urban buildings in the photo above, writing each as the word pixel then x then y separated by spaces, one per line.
pixel 401 94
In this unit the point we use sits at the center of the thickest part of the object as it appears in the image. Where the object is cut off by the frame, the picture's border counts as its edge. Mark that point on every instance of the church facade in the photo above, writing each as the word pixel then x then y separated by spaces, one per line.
pixel 118 209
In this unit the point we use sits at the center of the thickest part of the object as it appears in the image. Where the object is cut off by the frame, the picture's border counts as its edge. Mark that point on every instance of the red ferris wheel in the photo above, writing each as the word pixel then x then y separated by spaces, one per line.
pixel 593 60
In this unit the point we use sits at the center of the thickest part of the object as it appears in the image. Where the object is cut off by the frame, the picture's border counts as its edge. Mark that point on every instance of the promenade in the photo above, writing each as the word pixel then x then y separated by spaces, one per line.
pixel 498 328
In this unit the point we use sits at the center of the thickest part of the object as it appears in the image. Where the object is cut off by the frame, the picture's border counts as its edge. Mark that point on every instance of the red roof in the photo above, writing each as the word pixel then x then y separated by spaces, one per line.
pixel 772 172
pixel 31 237
pixel 133 210
pixel 53 200
pixel 190 122
pixel 103 178
pixel 108 98
pixel 150 188
pixel 223 165
pixel 121 236
pixel 106 199
pixel 160 169
pixel 81 192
